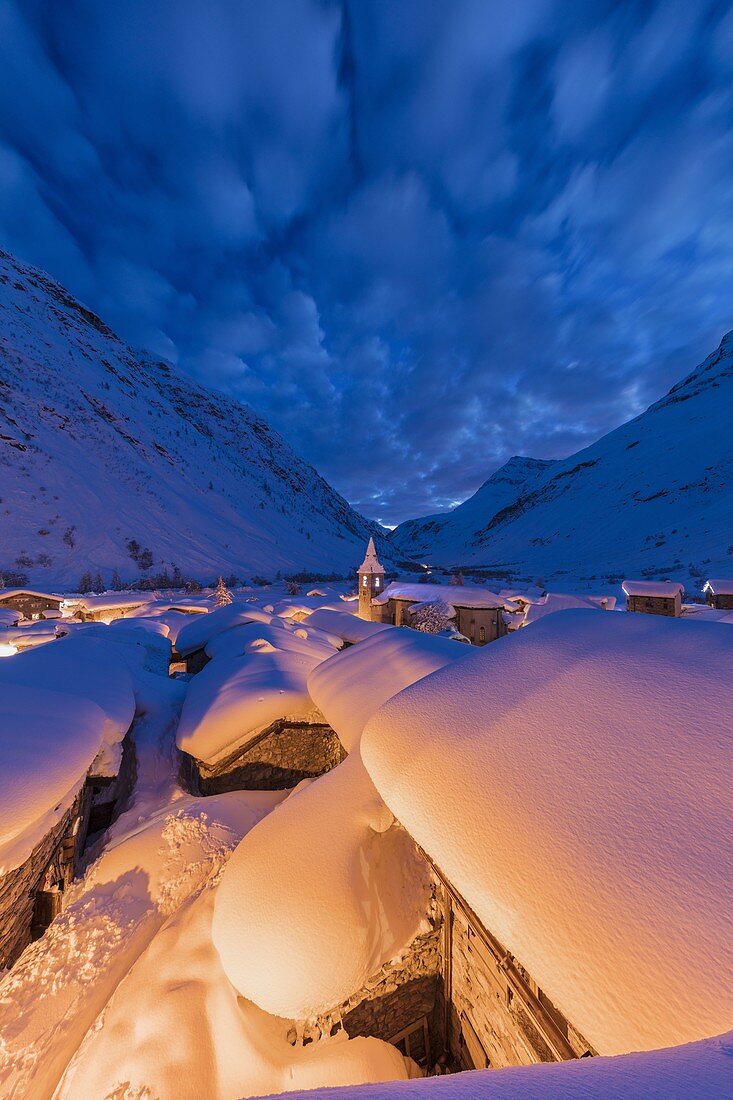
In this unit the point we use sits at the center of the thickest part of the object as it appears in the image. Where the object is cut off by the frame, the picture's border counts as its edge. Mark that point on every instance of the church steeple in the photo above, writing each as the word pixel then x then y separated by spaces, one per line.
pixel 371 580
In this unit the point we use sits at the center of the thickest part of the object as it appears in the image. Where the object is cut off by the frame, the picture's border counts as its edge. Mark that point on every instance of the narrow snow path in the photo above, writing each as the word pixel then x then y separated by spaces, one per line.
pixel 161 851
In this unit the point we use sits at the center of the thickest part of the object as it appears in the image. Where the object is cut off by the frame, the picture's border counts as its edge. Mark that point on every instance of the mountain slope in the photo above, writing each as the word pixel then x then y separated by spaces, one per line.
pixel 101 446
pixel 436 536
pixel 653 498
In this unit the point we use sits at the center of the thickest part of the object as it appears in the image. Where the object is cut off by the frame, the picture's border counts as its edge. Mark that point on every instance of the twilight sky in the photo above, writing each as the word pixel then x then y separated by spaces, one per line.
pixel 418 236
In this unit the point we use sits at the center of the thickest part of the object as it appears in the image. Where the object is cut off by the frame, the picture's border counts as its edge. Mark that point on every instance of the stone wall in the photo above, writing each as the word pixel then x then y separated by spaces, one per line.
pixel 278 757
pixel 26 893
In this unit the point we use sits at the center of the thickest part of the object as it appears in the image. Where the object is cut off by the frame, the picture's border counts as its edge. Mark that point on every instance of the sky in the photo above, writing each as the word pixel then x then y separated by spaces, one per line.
pixel 418 236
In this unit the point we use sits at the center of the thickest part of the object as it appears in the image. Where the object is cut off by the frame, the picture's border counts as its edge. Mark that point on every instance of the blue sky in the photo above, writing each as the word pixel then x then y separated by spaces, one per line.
pixel 418 236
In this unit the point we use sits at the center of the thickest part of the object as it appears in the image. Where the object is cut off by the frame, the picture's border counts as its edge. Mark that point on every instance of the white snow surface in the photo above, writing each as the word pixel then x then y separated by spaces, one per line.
pixel 48 741
pixel 561 601
pixel 202 628
pixel 234 698
pixel 87 668
pixel 652 588
pixel 696 1071
pixel 459 595
pixel 344 625
pixel 352 685
pixel 719 587
pixel 253 638
pixel 319 896
pixel 177 999
pixel 582 775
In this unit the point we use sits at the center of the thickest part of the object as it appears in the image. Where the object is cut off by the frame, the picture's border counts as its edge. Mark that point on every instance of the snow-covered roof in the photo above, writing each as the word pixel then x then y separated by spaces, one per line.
pixel 233 698
pixel 109 601
pixel 318 897
pixel 8 593
pixel 582 773
pixel 255 638
pixel 459 595
pixel 719 587
pixel 202 628
pixel 561 601
pixel 668 589
pixel 80 667
pixel 346 626
pixel 351 686
pixel 371 563
pixel 48 741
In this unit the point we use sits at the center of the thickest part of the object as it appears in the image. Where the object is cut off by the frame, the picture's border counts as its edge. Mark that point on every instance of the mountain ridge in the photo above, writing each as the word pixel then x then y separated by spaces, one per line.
pixel 654 496
pixel 102 445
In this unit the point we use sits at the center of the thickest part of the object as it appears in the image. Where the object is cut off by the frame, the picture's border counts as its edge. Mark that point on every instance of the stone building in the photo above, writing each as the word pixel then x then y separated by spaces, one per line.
pixel 29 603
pixel 371 581
pixel 105 608
pixel 719 594
pixel 479 613
pixel 456 997
pixel 654 597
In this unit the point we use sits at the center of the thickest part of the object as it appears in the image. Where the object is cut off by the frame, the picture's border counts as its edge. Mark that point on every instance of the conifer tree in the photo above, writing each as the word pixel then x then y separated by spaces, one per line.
pixel 222 596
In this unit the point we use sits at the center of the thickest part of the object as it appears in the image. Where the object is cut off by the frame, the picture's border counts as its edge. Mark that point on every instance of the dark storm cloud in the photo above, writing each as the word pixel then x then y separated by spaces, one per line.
pixel 418 237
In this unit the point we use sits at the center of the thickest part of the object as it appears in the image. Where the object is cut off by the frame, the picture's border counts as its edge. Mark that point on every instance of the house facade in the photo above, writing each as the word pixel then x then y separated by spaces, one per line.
pixel 28 602
pixel 654 597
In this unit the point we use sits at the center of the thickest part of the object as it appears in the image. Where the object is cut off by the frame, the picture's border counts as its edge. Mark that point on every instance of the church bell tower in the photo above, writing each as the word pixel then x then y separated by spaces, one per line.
pixel 371 581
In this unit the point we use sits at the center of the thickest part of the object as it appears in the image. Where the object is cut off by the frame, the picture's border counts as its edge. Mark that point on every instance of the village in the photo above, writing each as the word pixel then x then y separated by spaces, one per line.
pixel 250 778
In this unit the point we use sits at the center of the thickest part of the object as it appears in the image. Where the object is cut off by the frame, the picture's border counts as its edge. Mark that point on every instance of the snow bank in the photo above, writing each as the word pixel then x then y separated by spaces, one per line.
pixel 352 685
pixel 232 699
pixel 697 1071
pixel 47 744
pixel 345 625
pixel 197 633
pixel 318 897
pixel 177 1000
pixel 255 638
pixel 87 668
pixel 582 772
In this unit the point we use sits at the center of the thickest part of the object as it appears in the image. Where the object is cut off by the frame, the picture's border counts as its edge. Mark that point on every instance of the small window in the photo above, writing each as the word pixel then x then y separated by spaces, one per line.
pixel 376 582
pixel 364 581
pixel 482 633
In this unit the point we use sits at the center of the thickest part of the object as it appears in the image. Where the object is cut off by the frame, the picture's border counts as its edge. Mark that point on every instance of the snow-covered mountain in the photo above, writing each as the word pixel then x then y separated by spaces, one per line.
pixel 106 453
pixel 654 498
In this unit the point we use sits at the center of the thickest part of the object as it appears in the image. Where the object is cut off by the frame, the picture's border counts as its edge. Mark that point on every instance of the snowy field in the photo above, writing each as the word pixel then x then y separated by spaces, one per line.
pixel 571 779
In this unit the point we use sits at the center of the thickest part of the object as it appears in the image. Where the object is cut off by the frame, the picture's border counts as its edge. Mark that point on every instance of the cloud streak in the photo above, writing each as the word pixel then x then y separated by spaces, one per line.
pixel 418 237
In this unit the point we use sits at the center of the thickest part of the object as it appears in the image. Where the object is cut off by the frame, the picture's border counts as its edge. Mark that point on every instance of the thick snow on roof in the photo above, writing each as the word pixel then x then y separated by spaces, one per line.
pixel 318 897
pixel 459 595
pixel 562 601
pixel 202 628
pixel 719 587
pixel 352 685
pixel 8 593
pixel 109 601
pixel 9 617
pixel 80 667
pixel 652 588
pixel 582 775
pixel 253 638
pixel 48 741
pixel 177 1000
pixel 233 698
pixel 696 1071
pixel 346 626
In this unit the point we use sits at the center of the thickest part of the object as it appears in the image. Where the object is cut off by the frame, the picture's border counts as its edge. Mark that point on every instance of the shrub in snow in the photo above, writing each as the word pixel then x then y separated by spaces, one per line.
pixel 222 596
pixel 432 617
pixel 292 588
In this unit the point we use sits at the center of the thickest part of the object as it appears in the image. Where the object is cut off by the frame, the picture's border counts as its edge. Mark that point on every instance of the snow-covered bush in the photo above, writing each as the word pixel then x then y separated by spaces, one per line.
pixel 432 616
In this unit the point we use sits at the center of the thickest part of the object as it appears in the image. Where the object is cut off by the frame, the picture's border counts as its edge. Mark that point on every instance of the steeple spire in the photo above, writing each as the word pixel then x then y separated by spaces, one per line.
pixel 371 563
pixel 371 580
